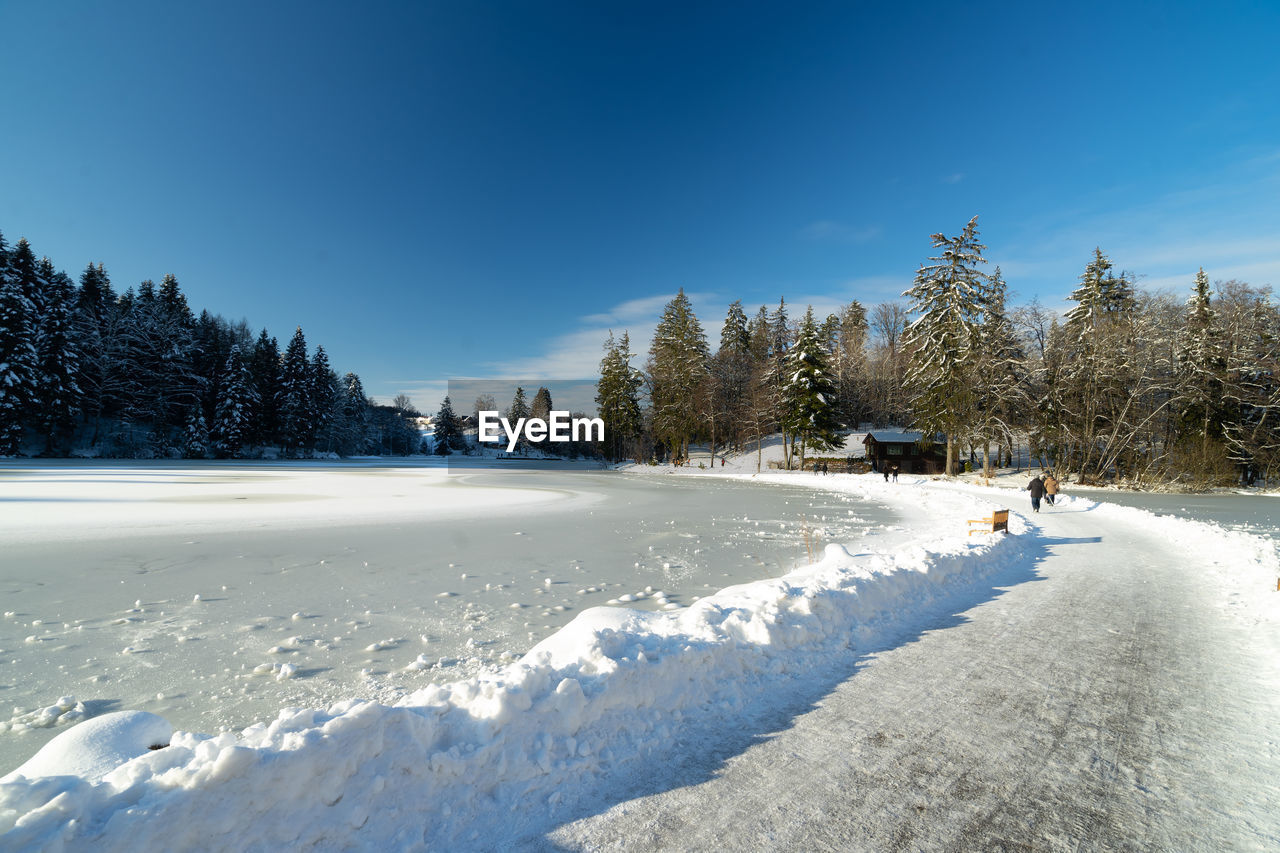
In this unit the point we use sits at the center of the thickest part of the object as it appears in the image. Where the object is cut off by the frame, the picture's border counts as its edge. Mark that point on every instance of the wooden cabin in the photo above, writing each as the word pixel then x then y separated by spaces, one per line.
pixel 907 449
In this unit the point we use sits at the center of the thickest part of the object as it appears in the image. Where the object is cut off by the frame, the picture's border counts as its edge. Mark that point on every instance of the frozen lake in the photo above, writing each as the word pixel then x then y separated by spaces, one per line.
pixel 1251 513
pixel 216 594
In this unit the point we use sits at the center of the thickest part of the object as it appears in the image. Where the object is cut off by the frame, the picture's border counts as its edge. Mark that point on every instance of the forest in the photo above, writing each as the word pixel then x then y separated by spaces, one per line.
pixel 1127 384
pixel 88 371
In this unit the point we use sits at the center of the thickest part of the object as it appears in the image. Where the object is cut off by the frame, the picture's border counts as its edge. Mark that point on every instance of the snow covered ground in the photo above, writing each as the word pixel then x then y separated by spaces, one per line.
pixel 215 595
pixel 619 702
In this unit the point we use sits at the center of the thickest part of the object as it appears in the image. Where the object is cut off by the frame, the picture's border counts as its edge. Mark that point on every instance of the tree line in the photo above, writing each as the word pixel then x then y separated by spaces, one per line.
pixel 138 374
pixel 1143 385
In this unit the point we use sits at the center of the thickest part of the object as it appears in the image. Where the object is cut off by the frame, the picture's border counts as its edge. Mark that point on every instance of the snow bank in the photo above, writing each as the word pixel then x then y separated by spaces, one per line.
pixel 98 746
pixel 498 758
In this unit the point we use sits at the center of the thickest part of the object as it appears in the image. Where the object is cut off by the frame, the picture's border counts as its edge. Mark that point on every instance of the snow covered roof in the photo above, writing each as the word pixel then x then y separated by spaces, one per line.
pixel 890 436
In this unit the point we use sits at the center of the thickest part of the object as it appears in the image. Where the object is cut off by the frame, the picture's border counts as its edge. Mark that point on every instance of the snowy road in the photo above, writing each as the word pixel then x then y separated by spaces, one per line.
pixel 1093 704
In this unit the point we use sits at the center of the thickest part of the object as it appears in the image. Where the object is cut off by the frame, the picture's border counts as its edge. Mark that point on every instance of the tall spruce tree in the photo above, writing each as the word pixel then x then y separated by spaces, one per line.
pixel 297 415
pixel 1202 366
pixel 948 298
pixel 731 372
pixel 618 397
pixel 93 320
pixel 1099 351
pixel 808 392
pixel 57 348
pixel 1000 381
pixel 195 435
pixel 850 367
pixel 354 408
pixel 236 399
pixel 264 368
pixel 677 375
pixel 448 430
pixel 324 396
pixel 519 409
pixel 541 407
pixel 18 357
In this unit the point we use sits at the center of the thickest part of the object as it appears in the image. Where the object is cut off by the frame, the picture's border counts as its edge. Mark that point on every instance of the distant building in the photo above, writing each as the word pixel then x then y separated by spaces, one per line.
pixel 907 449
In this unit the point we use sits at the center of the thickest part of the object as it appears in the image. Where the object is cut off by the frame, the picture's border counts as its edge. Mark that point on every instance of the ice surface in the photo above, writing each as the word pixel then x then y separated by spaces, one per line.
pixel 161 591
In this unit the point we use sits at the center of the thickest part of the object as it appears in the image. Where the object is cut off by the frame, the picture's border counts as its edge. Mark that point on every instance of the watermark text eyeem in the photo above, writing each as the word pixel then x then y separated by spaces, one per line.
pixel 560 426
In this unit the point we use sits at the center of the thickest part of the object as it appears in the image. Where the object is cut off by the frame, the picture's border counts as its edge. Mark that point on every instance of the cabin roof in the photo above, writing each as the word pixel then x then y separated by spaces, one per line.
pixel 893 437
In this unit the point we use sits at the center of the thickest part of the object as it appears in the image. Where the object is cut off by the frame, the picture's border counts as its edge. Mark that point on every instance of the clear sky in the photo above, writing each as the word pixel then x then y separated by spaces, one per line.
pixel 448 189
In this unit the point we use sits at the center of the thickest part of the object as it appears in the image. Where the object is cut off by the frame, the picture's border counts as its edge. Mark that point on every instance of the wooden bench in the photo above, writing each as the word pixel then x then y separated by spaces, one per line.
pixel 998 520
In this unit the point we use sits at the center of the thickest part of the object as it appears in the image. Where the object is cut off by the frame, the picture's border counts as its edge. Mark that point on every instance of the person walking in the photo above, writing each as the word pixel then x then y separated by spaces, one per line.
pixel 1036 487
pixel 1050 488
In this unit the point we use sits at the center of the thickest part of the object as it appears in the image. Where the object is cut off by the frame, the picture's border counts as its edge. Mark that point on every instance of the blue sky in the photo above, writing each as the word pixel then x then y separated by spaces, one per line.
pixel 450 189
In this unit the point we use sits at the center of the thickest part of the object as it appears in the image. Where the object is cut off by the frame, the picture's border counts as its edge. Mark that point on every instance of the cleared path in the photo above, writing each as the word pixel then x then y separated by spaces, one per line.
pixel 1107 704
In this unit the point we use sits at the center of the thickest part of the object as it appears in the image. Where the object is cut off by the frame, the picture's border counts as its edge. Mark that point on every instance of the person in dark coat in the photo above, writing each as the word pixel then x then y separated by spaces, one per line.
pixel 894 470
pixel 1036 487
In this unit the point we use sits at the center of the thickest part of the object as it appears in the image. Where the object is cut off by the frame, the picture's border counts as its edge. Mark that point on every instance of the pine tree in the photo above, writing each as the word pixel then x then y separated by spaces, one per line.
pixel 1202 367
pixel 96 297
pixel 93 321
pixel 1099 351
pixel 448 431
pixel 1000 378
pixel 195 441
pixel 297 417
pixel 541 407
pixel 18 357
pixel 730 376
pixel 735 337
pixel 58 388
pixel 808 392
pixel 760 410
pixel 324 395
pixel 948 298
pixel 759 336
pixel 354 418
pixel 180 387
pixel 519 409
pixel 850 367
pixel 236 399
pixel 264 368
pixel 618 397
pixel 775 376
pixel 677 375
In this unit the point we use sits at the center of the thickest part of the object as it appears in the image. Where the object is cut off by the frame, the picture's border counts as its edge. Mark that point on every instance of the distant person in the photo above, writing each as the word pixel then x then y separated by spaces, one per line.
pixel 1050 488
pixel 824 467
pixel 1036 487
pixel 886 473
pixel 894 468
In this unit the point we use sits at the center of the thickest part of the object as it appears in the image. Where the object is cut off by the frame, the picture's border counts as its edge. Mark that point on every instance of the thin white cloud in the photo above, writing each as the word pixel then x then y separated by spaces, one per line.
pixel 1228 224
pixel 953 178
pixel 577 354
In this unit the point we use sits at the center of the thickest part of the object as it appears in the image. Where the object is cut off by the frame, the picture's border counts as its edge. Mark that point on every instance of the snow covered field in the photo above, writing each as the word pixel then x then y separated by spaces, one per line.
pixel 523 729
pixel 214 595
